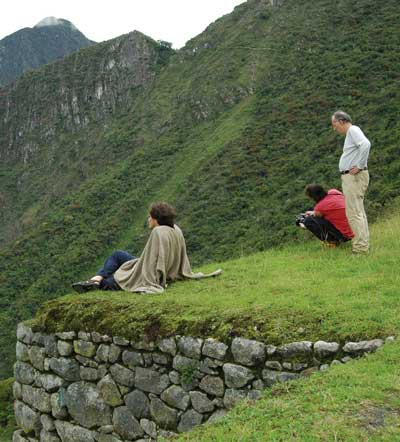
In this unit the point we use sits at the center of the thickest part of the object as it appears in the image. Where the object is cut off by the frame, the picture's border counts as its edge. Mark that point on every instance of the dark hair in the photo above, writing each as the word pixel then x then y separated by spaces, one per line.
pixel 316 192
pixel 164 213
pixel 342 116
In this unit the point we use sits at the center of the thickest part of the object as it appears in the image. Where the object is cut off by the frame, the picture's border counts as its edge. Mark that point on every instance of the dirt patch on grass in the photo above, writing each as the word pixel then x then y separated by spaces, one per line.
pixel 373 417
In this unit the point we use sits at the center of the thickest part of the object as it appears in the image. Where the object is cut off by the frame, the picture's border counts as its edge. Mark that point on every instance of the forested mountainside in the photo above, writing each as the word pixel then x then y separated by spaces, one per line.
pixel 30 48
pixel 229 129
pixel 52 119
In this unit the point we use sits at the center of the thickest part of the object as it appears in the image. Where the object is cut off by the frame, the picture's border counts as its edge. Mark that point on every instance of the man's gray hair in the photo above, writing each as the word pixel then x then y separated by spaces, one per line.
pixel 342 116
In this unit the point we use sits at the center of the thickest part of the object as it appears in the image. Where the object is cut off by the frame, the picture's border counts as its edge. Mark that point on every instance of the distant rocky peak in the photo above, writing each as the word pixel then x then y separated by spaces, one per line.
pixel 54 21
pixel 29 48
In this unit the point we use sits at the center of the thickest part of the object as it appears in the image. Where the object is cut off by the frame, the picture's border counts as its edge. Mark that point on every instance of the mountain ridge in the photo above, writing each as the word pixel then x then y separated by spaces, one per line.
pixel 230 129
pixel 30 48
pixel 36 117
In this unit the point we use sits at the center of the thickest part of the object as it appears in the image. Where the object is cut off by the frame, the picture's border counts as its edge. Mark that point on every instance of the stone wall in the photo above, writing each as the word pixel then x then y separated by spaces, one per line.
pixel 85 387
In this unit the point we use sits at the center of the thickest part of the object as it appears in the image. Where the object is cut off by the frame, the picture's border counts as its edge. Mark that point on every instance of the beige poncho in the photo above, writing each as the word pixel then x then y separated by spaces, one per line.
pixel 163 259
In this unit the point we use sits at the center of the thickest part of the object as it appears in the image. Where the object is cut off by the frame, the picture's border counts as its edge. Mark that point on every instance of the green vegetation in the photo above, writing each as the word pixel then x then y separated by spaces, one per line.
pixel 298 292
pixel 7 421
pixel 6 433
pixel 355 402
pixel 294 293
pixel 229 129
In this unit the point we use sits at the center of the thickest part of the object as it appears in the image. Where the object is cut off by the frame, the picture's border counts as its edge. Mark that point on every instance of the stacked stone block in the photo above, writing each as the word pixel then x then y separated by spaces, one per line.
pixel 84 387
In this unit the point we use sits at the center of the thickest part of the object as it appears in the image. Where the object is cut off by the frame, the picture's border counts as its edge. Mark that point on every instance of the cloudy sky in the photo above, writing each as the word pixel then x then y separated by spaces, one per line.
pixel 175 21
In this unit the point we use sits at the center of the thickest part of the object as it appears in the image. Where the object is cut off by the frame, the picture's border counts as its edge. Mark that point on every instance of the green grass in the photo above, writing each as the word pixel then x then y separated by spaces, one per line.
pixel 230 135
pixel 271 296
pixel 230 131
pixel 7 421
pixel 6 434
pixel 299 292
pixel 356 402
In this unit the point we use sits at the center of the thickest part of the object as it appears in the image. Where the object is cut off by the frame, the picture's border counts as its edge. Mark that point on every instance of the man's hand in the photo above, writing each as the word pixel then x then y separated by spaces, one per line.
pixel 354 170
pixel 313 213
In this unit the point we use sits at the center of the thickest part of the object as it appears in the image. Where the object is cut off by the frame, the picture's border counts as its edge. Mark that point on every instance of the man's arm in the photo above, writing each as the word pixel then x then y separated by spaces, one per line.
pixel 314 213
pixel 363 145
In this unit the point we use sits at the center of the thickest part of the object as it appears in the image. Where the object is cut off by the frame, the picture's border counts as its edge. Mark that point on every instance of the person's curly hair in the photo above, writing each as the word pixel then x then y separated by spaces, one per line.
pixel 164 213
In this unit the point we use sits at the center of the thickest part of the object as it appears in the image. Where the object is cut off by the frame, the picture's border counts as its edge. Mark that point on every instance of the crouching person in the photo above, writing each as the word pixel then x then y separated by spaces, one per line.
pixel 163 260
pixel 328 221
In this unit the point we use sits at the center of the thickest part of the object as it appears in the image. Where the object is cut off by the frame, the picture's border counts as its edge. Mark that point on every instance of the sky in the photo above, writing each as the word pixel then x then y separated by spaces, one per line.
pixel 176 21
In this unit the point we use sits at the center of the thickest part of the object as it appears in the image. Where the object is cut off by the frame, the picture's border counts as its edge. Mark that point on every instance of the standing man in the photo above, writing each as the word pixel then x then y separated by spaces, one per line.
pixel 355 177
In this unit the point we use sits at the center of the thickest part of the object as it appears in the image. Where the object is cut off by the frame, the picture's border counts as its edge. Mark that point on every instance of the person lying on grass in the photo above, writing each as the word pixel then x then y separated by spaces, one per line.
pixel 163 259
pixel 328 221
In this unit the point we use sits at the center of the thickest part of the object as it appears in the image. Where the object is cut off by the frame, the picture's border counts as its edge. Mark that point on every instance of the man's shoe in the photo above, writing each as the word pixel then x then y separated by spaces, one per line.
pixel 330 245
pixel 86 286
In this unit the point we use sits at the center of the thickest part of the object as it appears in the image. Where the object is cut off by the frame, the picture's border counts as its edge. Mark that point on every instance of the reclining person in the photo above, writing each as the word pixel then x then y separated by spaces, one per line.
pixel 328 221
pixel 163 259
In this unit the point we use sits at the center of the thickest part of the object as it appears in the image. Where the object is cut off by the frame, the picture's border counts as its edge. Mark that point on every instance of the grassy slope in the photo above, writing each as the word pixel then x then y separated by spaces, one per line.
pixel 330 293
pixel 231 131
pixel 356 402
pixel 312 60
pixel 109 209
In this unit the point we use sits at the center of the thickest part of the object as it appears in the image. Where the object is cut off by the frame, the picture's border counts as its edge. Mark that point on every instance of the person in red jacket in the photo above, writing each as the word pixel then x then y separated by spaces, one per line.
pixel 328 220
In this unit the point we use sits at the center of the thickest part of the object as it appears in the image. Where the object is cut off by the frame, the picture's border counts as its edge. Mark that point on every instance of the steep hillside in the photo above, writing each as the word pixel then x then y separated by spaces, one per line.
pixel 230 129
pixel 53 118
pixel 330 295
pixel 30 48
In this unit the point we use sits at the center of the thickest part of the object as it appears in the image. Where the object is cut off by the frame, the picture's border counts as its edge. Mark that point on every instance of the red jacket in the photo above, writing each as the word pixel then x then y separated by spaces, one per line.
pixel 333 209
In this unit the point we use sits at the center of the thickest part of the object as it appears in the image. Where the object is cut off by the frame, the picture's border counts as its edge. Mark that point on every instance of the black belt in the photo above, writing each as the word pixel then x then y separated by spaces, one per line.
pixel 344 172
